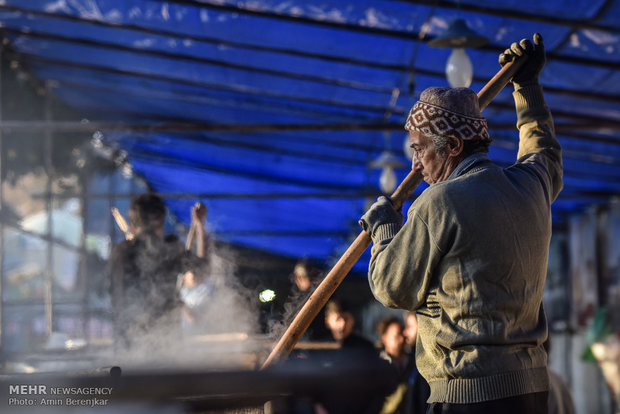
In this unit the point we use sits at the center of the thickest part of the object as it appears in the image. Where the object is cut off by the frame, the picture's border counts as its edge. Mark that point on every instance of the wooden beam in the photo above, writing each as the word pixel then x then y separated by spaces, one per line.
pixel 195 126
pixel 413 36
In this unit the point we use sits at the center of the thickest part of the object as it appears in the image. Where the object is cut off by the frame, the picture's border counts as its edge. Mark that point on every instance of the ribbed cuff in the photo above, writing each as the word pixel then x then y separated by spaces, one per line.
pixel 385 231
pixel 474 390
pixel 529 103
pixel 529 96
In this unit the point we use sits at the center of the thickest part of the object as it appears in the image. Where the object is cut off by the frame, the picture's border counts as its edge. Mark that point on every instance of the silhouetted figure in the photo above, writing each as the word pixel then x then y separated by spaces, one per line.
pixel 419 391
pixel 304 280
pixel 144 273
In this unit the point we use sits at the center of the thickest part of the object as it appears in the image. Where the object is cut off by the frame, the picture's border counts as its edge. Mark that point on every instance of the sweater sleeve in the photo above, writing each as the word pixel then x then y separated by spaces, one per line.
pixel 401 265
pixel 538 145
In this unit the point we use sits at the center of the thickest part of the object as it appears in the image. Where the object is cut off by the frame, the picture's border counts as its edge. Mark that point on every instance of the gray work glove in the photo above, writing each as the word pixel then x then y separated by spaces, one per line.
pixel 528 73
pixel 380 213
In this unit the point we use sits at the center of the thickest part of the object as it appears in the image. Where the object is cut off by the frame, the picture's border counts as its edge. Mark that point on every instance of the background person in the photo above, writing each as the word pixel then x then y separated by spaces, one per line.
pixel 419 389
pixel 304 279
pixel 390 330
pixel 143 274
pixel 363 378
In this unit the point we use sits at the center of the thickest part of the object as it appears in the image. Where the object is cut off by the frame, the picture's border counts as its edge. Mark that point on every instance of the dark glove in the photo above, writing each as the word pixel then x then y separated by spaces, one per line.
pixel 381 212
pixel 528 73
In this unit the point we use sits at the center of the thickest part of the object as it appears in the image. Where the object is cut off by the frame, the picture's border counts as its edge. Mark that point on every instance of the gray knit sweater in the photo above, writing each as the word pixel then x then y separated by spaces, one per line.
pixel 471 260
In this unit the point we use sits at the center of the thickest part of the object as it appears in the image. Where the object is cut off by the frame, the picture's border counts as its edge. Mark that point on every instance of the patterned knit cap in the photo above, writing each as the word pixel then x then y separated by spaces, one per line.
pixel 452 112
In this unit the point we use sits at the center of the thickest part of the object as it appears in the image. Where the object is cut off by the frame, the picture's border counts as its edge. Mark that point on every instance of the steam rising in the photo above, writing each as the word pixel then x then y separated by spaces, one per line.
pixel 294 302
pixel 218 335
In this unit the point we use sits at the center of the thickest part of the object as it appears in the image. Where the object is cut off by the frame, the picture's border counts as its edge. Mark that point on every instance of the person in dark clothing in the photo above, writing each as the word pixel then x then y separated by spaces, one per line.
pixel 419 391
pixel 392 339
pixel 304 280
pixel 340 321
pixel 363 378
pixel 143 273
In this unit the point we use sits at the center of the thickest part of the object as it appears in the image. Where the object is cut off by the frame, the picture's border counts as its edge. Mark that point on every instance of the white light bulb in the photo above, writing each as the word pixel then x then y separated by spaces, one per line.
pixel 459 70
pixel 387 181
pixel 267 295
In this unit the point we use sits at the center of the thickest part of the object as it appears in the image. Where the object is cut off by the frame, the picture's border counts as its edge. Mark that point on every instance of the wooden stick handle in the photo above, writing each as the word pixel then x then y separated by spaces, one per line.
pixel 191 235
pixel 121 223
pixel 497 83
pixel 318 299
pixel 336 275
pixel 196 229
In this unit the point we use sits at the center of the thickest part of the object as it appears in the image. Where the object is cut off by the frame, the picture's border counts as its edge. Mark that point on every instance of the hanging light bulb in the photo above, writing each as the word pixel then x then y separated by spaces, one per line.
pixel 387 180
pixel 459 70
pixel 459 36
pixel 387 162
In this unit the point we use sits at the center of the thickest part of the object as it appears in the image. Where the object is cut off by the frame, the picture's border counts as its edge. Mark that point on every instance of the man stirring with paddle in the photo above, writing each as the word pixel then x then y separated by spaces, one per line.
pixel 471 258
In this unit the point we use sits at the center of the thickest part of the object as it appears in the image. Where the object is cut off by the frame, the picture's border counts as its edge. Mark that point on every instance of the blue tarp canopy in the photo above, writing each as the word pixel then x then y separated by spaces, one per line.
pixel 271 111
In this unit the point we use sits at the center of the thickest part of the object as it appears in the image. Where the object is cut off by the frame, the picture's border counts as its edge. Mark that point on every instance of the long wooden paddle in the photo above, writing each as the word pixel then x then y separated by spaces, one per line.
pixel 336 275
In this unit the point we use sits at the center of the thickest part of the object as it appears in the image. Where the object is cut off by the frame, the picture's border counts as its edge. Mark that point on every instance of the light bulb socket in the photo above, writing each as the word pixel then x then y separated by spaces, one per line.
pixel 459 35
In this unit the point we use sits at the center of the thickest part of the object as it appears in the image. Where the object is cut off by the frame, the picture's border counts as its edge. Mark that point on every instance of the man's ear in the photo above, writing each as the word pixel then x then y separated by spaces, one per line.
pixel 455 147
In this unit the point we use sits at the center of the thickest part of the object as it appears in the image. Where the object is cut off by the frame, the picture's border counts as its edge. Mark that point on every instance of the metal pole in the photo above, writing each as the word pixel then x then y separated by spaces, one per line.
pixel 49 170
pixel 83 273
pixel 1 221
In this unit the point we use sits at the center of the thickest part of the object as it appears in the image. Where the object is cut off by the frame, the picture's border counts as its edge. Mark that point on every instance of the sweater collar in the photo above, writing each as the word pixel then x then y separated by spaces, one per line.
pixel 469 163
